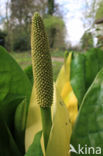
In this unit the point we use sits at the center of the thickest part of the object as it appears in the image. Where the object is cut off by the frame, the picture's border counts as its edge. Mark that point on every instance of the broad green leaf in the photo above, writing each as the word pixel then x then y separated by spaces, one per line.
pixel 91 66
pixel 94 62
pixel 84 68
pixel 19 124
pixel 99 55
pixel 77 75
pixel 35 148
pixel 13 81
pixel 8 146
pixel 88 128
pixel 29 73
pixel 58 144
pixel 9 110
pixel 13 84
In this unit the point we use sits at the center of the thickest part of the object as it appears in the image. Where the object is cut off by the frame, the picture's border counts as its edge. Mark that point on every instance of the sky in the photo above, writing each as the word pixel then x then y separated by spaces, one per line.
pixel 73 17
pixel 2 8
pixel 72 11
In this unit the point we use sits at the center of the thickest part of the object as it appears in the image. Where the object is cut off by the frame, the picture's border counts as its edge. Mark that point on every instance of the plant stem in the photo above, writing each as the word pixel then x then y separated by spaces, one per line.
pixel 46 123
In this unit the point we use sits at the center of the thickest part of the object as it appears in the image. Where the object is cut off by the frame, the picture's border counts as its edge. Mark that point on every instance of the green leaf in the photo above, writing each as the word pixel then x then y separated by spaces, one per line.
pixel 77 75
pixel 13 81
pixel 99 54
pixel 13 84
pixel 91 66
pixel 29 72
pixel 88 128
pixel 84 68
pixel 8 146
pixel 9 111
pixel 19 124
pixel 58 144
pixel 35 148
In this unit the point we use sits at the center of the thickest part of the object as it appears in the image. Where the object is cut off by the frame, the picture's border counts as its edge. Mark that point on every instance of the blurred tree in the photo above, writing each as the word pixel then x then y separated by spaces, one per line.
pixel 99 11
pixel 8 27
pixel 56 30
pixel 55 26
pixel 18 23
pixel 86 41
pixel 2 38
pixel 22 10
pixel 99 27
pixel 89 13
pixel 51 7
pixel 93 13
pixel 21 14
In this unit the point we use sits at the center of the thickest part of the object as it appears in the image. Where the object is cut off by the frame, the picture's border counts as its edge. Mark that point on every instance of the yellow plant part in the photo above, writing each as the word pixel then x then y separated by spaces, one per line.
pixel 71 102
pixel 61 130
pixel 42 94
pixel 59 140
pixel 33 121
pixel 64 74
pixel 66 91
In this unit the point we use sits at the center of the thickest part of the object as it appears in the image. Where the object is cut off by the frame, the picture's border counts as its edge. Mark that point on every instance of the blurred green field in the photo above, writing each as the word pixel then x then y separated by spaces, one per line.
pixel 56 68
pixel 24 60
pixel 57 53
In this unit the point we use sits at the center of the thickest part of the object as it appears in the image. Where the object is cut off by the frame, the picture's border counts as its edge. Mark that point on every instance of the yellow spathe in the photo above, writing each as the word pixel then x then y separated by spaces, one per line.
pixel 59 141
pixel 66 91
pixel 33 121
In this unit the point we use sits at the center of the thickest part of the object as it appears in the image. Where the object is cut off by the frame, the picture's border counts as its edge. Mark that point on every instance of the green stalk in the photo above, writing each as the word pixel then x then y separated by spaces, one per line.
pixel 46 124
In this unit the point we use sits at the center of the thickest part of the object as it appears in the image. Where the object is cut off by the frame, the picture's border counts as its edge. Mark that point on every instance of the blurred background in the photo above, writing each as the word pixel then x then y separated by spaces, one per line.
pixel 73 25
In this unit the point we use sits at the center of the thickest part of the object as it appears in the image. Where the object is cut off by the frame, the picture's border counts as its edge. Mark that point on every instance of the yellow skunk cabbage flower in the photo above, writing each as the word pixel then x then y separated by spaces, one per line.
pixel 66 91
pixel 57 127
pixel 42 93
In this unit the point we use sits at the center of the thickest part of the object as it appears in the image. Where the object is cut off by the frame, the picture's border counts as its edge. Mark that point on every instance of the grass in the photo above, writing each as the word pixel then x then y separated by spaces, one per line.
pixel 57 53
pixel 24 60
pixel 56 68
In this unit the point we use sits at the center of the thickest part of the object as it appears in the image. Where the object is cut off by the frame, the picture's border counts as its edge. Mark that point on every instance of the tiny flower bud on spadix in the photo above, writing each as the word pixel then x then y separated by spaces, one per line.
pixel 41 62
